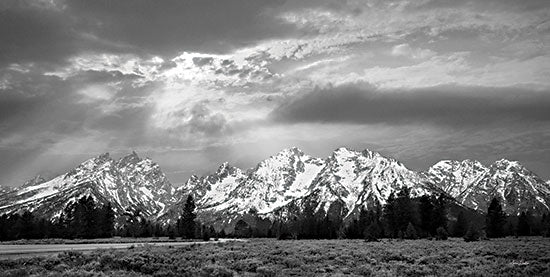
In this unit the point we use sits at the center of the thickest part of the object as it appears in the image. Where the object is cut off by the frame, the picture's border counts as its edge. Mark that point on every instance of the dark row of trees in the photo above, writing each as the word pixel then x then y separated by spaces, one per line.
pixel 402 217
pixel 187 226
pixel 80 219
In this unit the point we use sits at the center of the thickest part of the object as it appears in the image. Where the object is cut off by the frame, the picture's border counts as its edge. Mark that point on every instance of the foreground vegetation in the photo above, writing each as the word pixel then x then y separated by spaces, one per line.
pixel 269 257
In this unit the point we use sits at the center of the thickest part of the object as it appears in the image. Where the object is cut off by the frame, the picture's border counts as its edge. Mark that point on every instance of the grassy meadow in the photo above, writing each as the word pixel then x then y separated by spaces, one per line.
pixel 269 257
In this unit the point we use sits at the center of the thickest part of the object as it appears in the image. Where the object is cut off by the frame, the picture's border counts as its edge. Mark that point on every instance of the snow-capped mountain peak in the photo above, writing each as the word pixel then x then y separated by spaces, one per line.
pixel 454 177
pixel 365 178
pixel 474 185
pixel 132 158
pixel 38 179
pixel 350 178
pixel 128 184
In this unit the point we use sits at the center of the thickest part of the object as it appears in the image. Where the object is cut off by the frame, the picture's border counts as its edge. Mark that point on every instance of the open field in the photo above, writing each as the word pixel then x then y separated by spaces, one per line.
pixel 30 250
pixel 93 241
pixel 267 257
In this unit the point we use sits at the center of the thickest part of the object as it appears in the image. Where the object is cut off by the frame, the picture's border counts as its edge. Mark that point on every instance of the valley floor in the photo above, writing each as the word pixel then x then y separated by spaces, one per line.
pixel 268 257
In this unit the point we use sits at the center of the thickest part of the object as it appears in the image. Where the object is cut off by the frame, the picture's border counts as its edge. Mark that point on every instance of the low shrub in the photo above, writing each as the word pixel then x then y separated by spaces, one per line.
pixel 472 234
pixel 442 234
pixel 216 271
pixel 266 271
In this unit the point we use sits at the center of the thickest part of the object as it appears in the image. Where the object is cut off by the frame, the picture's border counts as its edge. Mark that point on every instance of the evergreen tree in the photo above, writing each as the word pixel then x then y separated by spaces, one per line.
pixel 334 220
pixel 441 234
pixel 524 224
pixel 134 224
pixel 171 232
pixel 426 210
pixel 106 221
pixel 320 231
pixel 364 220
pixel 460 226
pixel 307 220
pixel 495 219
pixel 390 216
pixel 399 212
pixel 205 233
pixel 85 218
pixel 410 232
pixel 545 225
pixel 222 234
pixel 4 227
pixel 27 226
pixel 187 224
pixel 439 214
pixel 473 234
pixel 242 229
pixel 373 231
pixel 43 228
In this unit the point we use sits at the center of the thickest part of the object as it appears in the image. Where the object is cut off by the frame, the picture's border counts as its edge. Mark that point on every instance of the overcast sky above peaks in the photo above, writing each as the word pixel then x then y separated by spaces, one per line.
pixel 192 84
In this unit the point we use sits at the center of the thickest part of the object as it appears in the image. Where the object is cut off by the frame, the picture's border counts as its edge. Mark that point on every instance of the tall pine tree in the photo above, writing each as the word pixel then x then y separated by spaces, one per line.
pixel 439 214
pixel 524 224
pixel 187 222
pixel 461 225
pixel 495 219
pixel 106 221
pixel 426 209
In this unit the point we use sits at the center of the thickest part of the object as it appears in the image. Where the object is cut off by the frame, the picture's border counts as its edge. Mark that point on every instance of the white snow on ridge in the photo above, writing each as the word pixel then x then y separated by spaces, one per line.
pixel 356 178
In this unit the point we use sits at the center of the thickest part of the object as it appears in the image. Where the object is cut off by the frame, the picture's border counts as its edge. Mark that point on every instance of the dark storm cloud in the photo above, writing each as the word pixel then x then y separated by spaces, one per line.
pixel 446 105
pixel 169 27
pixel 47 34
pixel 43 33
pixel 30 33
pixel 34 104
pixel 524 5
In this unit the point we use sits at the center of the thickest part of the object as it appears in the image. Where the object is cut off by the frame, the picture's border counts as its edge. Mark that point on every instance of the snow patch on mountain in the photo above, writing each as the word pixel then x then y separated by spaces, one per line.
pixel 474 185
pixel 130 183
pixel 273 183
pixel 455 177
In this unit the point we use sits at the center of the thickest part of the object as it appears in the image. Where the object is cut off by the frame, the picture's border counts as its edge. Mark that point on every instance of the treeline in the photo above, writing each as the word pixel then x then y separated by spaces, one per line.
pixel 80 219
pixel 402 217
pixel 187 226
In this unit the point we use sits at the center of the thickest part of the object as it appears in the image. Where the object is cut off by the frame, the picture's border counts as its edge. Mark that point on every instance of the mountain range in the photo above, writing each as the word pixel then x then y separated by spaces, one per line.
pixel 351 178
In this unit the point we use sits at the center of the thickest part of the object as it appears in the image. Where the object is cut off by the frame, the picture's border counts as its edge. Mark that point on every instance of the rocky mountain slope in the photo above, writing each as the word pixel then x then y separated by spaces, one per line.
pixel 474 185
pixel 129 183
pixel 352 179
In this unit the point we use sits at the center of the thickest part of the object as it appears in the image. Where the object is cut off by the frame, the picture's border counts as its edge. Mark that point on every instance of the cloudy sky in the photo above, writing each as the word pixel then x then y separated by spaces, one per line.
pixel 194 83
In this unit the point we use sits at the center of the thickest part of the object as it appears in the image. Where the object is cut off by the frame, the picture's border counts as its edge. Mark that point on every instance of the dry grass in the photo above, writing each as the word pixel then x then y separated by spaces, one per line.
pixel 265 257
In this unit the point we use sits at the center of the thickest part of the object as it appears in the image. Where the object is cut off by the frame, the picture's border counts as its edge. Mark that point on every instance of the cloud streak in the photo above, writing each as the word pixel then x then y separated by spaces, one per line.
pixel 443 105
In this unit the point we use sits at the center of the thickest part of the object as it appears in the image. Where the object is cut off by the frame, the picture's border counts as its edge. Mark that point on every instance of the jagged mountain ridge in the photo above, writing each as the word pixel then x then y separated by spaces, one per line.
pixel 352 178
pixel 474 185
pixel 349 177
pixel 129 184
